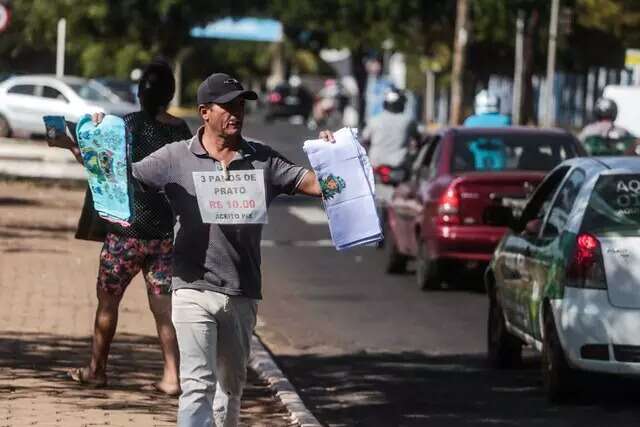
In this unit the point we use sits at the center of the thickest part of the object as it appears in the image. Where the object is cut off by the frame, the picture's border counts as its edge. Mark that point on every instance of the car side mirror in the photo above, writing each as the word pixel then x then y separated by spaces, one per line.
pixel 498 216
pixel 532 228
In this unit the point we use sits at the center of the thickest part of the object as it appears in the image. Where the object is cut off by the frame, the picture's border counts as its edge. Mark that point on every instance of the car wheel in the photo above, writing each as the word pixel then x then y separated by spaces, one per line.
pixel 5 128
pixel 396 262
pixel 558 377
pixel 427 274
pixel 503 349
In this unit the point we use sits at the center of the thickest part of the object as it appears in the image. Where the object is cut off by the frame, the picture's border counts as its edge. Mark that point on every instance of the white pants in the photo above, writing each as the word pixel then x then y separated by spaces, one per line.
pixel 214 336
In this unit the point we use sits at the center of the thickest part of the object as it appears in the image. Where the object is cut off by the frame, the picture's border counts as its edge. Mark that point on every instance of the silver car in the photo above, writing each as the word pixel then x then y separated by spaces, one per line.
pixel 25 99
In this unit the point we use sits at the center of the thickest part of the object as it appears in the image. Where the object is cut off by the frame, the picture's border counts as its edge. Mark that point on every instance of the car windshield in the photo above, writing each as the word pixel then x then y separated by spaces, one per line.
pixel 89 91
pixel 485 153
pixel 614 205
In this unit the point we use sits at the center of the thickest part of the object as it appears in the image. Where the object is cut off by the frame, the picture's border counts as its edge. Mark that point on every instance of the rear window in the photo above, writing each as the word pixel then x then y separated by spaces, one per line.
pixel 482 153
pixel 614 205
pixel 22 89
pixel 89 92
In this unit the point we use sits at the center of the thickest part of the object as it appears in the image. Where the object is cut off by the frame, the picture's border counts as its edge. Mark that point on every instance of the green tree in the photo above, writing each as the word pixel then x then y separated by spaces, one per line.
pixel 106 37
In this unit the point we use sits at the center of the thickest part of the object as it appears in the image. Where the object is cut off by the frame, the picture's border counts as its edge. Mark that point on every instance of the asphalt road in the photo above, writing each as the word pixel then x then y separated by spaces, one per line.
pixel 368 349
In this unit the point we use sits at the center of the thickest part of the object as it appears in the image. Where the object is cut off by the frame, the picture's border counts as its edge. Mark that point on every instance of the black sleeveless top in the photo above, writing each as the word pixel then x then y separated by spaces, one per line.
pixel 152 216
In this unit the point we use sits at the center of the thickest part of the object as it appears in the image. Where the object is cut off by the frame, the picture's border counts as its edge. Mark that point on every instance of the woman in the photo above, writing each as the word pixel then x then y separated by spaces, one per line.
pixel 146 245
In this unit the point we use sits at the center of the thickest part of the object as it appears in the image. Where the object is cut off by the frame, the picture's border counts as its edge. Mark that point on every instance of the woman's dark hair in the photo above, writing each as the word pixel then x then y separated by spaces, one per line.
pixel 157 86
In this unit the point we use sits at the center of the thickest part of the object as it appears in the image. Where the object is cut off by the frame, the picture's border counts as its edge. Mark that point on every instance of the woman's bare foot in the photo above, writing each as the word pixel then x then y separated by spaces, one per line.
pixel 84 376
pixel 169 389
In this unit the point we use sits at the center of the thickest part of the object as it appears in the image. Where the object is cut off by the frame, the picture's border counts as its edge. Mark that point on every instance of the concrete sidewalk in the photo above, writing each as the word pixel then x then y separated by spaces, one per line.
pixel 47 292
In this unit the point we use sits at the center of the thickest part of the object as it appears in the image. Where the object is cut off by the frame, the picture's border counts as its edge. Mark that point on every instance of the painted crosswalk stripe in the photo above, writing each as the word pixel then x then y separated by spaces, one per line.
pixel 310 214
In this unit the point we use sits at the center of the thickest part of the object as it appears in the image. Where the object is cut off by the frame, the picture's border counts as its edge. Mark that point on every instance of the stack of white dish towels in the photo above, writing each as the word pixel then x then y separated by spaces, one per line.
pixel 346 177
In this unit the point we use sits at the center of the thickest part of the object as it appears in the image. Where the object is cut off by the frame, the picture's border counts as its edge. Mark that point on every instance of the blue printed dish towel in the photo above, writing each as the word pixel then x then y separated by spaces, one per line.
pixel 105 153
pixel 346 179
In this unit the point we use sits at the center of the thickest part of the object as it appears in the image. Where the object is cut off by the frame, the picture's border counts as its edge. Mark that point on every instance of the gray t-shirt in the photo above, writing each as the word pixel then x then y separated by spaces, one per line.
pixel 220 258
pixel 389 135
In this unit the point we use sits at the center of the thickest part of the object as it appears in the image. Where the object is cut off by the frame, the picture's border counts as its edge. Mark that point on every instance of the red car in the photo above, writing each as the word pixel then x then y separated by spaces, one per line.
pixel 439 216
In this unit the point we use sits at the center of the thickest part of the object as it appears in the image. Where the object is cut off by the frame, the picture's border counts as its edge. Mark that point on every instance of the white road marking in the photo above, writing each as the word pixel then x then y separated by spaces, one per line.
pixel 310 214
pixel 322 243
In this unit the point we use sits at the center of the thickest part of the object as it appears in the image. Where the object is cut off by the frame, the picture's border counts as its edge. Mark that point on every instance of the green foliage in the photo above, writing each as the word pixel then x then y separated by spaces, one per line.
pixel 619 18
pixel 105 37
pixel 112 37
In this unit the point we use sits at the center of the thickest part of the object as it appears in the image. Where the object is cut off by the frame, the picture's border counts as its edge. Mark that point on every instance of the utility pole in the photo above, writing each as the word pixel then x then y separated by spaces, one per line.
pixel 459 53
pixel 516 109
pixel 62 33
pixel 551 63
pixel 277 74
pixel 430 96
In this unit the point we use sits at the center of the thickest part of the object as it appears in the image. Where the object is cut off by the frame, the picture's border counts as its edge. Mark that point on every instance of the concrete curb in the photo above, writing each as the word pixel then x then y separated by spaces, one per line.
pixel 262 362
pixel 26 159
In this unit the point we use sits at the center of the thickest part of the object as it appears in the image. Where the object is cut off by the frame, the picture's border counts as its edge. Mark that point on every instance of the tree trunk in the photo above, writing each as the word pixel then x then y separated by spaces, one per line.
pixel 526 105
pixel 459 53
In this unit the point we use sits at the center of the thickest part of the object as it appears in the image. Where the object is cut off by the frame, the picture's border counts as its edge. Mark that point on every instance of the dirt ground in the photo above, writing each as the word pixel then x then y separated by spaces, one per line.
pixel 47 303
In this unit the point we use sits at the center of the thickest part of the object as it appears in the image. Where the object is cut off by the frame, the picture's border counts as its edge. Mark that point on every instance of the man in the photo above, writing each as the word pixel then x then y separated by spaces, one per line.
pixel 376 87
pixel 603 136
pixel 219 186
pixel 487 112
pixel 390 137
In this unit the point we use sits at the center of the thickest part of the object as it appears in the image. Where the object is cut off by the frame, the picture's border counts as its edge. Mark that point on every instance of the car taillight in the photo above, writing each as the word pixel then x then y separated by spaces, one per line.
pixel 449 206
pixel 275 97
pixel 384 174
pixel 586 269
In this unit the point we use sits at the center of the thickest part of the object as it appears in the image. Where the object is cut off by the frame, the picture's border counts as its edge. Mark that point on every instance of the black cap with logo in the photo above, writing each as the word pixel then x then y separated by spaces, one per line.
pixel 221 88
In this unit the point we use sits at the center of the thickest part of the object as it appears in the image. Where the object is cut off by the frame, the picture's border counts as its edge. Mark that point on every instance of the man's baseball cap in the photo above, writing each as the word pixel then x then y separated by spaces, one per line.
pixel 221 88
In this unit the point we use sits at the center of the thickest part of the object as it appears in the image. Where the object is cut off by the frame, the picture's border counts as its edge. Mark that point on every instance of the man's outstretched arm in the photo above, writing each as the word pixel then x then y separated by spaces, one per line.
pixel 309 185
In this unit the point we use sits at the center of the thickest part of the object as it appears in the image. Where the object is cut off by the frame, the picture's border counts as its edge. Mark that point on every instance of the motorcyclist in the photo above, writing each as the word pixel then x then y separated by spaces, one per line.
pixel 329 105
pixel 603 136
pixel 390 134
pixel 487 112
pixel 390 137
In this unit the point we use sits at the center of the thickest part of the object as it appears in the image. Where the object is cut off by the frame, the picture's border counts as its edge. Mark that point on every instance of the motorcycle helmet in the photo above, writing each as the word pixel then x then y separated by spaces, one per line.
pixel 486 103
pixel 605 109
pixel 394 100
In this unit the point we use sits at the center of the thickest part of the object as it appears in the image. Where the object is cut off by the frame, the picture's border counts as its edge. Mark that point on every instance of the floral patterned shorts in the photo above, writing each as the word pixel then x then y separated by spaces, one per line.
pixel 123 257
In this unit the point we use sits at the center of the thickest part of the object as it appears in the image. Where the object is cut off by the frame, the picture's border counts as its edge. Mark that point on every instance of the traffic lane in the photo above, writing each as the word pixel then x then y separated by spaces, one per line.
pixel 317 296
pixel 283 137
pixel 413 389
pixel 364 348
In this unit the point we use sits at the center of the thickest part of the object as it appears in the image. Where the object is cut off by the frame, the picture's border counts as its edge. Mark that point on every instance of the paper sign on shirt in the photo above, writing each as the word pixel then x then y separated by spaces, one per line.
pixel 236 198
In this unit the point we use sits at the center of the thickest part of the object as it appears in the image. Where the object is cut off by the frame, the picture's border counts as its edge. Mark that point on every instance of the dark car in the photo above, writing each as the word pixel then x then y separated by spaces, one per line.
pixel 439 216
pixel 286 101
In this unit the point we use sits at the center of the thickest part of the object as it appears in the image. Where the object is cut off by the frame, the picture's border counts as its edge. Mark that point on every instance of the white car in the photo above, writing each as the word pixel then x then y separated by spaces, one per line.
pixel 25 99
pixel 566 277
